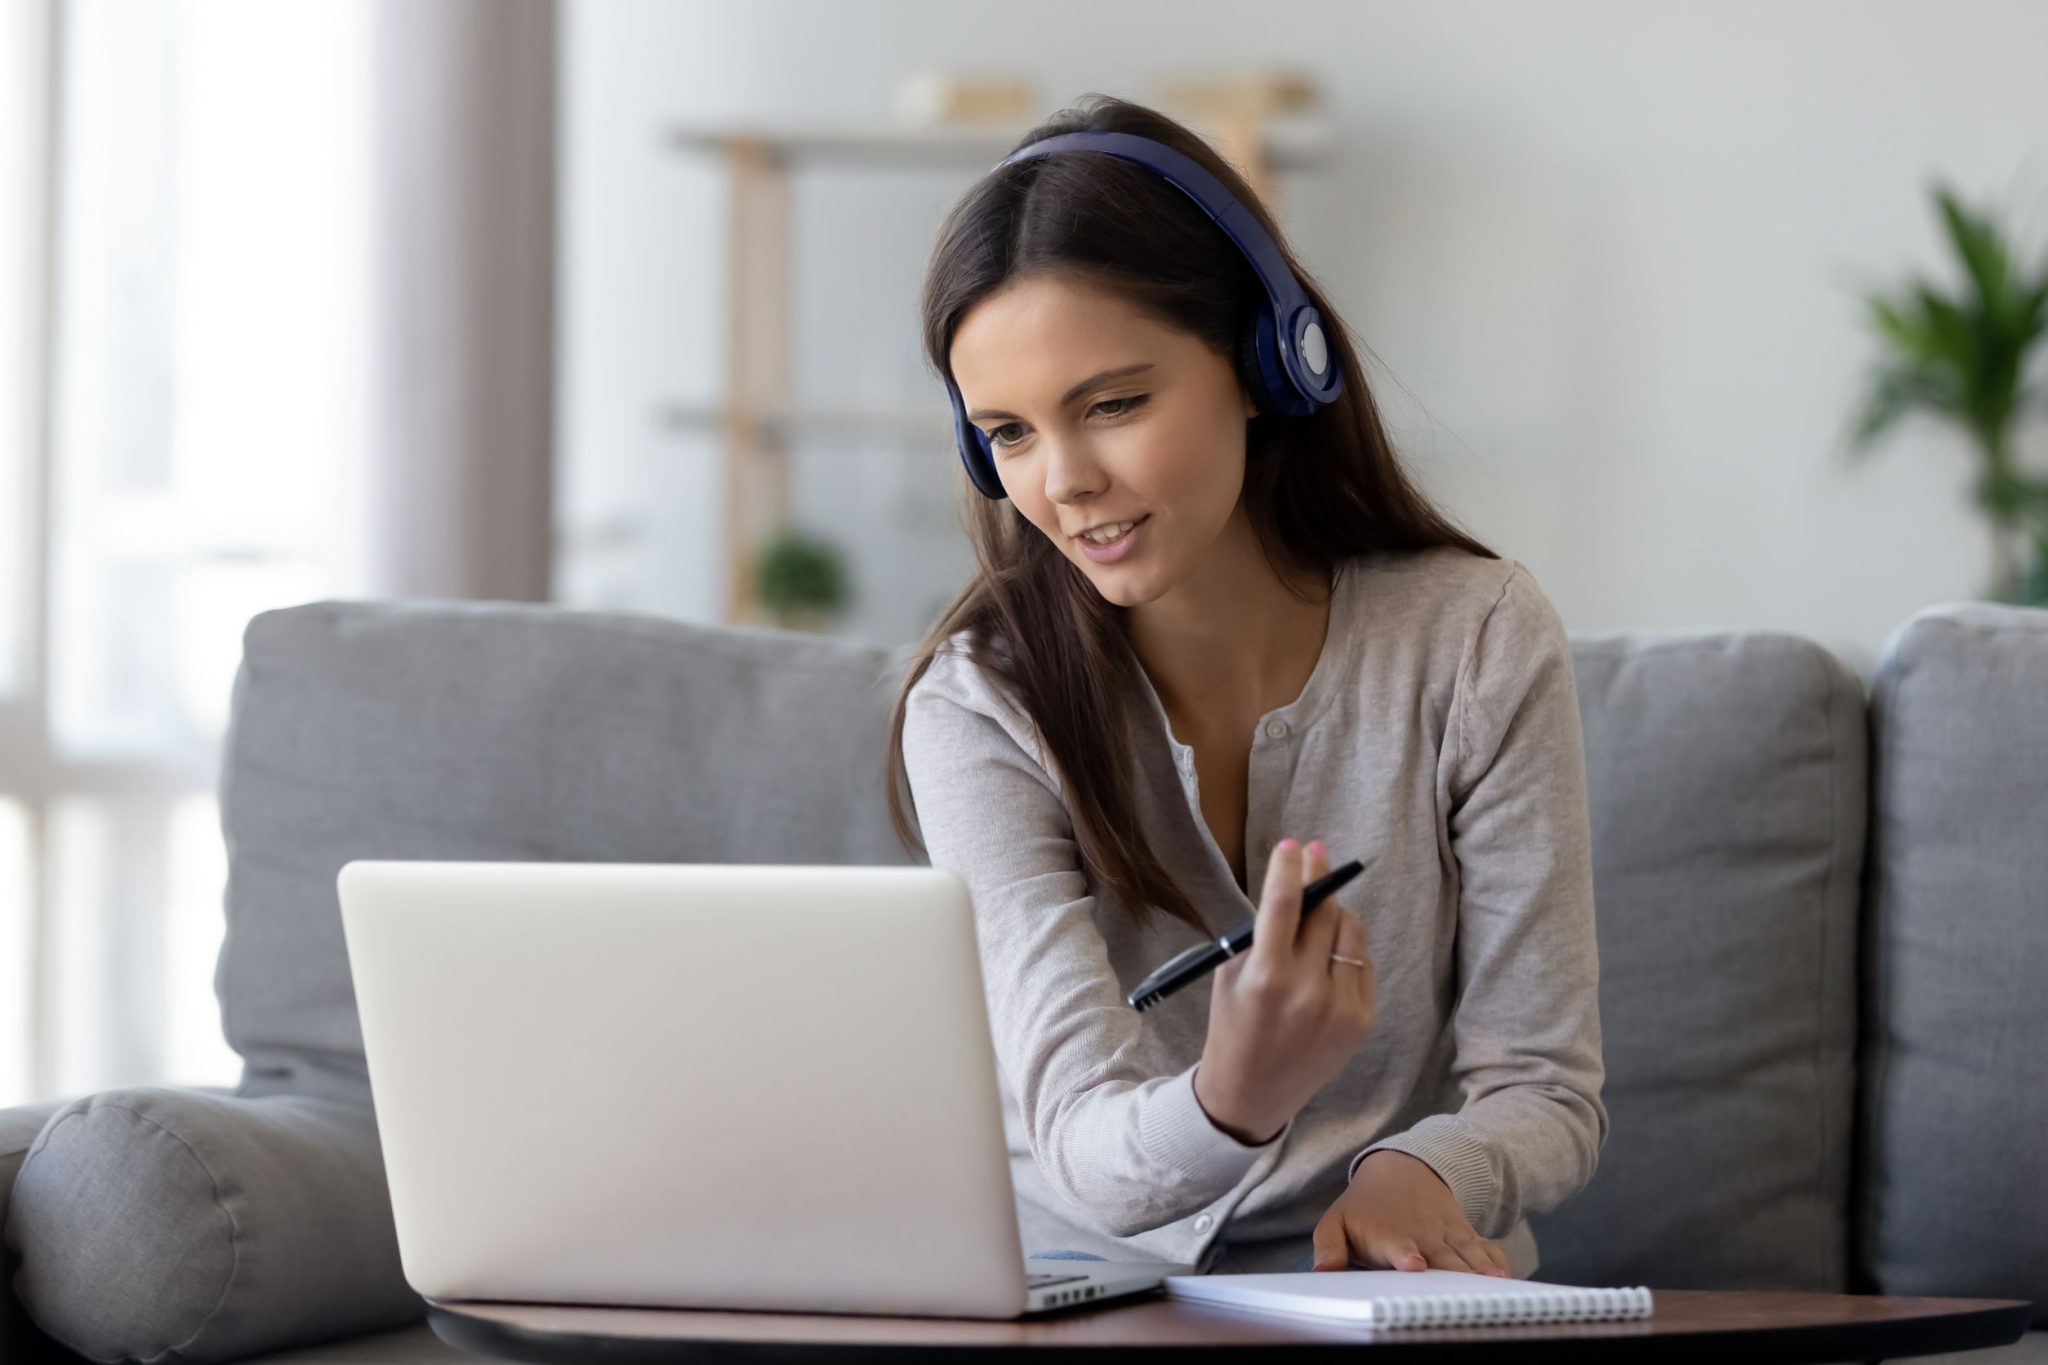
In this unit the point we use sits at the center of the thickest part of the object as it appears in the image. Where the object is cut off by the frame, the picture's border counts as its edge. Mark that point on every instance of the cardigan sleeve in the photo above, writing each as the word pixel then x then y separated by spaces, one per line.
pixel 1526 1024
pixel 1130 1148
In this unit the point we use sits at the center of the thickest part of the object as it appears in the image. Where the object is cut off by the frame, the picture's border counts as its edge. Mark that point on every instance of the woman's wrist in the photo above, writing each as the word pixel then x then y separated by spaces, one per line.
pixel 1252 1134
pixel 1395 1151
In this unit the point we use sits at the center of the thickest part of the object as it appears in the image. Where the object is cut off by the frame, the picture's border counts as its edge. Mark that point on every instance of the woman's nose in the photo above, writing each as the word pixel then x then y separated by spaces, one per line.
pixel 1069 471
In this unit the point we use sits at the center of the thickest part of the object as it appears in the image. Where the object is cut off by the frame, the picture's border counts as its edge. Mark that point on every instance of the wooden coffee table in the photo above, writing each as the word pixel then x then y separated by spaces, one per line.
pixel 1687 1325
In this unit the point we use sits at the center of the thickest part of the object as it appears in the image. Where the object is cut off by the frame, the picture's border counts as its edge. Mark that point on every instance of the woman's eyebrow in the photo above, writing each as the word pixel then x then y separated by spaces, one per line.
pixel 1071 394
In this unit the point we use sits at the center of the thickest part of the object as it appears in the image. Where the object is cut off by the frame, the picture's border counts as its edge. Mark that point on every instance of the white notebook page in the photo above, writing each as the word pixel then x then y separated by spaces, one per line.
pixel 1413 1297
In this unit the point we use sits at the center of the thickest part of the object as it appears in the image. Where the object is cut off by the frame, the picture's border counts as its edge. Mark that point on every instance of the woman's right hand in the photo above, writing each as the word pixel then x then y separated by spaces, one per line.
pixel 1284 1017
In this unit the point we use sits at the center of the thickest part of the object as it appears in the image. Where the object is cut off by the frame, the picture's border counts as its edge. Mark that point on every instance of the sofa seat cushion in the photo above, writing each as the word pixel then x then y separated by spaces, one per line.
pixel 414 1344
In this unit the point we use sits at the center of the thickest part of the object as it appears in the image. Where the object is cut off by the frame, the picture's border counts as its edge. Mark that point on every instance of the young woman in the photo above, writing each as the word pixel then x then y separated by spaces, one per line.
pixel 1122 748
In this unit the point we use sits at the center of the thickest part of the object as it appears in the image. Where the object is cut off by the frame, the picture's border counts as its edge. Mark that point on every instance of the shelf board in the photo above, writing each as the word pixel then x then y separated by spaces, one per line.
pixel 932 423
pixel 1286 142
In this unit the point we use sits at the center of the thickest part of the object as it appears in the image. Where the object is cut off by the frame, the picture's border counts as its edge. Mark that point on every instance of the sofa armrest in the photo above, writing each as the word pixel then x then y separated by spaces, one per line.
pixel 21 1342
pixel 233 1225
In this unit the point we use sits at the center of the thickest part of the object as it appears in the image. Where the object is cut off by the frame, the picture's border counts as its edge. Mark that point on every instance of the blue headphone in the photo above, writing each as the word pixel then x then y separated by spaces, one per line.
pixel 1283 356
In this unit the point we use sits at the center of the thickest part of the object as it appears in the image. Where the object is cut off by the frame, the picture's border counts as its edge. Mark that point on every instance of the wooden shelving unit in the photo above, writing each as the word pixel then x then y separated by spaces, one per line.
pixel 757 427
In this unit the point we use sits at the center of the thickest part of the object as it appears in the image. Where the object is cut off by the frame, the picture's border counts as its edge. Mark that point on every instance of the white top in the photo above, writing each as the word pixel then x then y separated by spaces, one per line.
pixel 1439 735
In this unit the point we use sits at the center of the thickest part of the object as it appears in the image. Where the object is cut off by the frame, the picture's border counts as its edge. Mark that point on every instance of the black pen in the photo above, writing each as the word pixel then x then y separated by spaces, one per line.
pixel 1203 958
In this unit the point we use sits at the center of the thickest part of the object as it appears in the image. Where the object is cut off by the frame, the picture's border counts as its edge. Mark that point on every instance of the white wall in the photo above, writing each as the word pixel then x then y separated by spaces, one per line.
pixel 1606 251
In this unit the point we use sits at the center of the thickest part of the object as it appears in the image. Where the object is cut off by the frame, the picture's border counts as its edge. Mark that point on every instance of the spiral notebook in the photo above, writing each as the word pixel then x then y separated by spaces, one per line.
pixel 1412 1298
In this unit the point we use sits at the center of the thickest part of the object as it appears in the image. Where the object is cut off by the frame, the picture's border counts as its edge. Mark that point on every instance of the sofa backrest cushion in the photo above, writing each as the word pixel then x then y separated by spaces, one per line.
pixel 1953 1147
pixel 512 731
pixel 1726 778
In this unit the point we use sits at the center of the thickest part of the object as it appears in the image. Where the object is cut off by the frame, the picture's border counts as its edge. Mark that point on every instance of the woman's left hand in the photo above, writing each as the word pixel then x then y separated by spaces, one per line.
pixel 1399 1214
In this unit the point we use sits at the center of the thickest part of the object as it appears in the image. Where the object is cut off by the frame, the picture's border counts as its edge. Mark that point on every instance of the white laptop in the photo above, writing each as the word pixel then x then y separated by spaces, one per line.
pixel 693 1086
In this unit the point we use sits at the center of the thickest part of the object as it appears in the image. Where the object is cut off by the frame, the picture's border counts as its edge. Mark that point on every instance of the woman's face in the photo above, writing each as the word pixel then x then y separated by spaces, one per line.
pixel 1164 444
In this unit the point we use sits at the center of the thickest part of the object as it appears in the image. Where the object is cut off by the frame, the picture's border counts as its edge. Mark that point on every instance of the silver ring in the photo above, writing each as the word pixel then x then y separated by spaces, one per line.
pixel 1349 961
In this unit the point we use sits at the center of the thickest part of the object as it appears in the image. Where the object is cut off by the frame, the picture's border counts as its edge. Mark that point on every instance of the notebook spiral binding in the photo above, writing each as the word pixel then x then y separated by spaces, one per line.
pixel 1581 1305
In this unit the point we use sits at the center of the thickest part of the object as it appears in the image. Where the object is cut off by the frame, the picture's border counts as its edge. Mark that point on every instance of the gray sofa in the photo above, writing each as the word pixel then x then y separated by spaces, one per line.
pixel 1823 921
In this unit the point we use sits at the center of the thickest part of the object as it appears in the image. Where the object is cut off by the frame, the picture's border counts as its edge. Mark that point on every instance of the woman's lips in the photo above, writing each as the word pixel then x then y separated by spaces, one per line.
pixel 1119 548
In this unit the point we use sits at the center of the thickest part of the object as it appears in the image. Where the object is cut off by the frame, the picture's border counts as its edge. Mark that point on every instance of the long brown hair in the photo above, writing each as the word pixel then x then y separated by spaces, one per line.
pixel 1317 489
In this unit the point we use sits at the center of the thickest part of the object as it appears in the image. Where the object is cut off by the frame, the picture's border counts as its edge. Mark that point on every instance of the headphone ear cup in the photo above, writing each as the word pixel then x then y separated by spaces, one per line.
pixel 1273 388
pixel 985 464
pixel 975 451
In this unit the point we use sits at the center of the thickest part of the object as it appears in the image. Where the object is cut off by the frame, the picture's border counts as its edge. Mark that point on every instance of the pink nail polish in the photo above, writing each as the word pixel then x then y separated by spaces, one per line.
pixel 1287 844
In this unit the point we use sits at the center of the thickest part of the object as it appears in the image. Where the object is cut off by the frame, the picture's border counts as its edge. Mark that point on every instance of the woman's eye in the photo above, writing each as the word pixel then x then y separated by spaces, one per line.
pixel 1129 405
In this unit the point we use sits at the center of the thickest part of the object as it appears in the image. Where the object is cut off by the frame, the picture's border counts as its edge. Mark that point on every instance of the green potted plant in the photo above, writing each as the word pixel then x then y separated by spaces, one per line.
pixel 1963 359
pixel 802 580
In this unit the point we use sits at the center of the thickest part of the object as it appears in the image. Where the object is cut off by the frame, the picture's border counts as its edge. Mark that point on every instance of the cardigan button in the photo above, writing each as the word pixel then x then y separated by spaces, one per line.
pixel 1275 729
pixel 1203 1222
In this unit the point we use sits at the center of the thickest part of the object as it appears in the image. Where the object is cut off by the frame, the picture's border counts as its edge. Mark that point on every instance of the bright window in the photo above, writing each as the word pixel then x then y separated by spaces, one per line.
pixel 203 388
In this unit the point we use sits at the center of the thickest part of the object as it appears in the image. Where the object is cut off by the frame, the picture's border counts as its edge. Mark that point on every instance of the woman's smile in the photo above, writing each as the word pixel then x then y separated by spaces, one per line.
pixel 1123 546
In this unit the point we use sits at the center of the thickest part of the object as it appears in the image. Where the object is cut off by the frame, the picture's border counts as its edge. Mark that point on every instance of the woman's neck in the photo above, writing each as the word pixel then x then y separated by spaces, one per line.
pixel 1230 642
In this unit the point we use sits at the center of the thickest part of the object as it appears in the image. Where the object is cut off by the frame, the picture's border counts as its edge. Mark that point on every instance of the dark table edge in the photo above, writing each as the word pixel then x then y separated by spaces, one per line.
pixel 1968 1330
